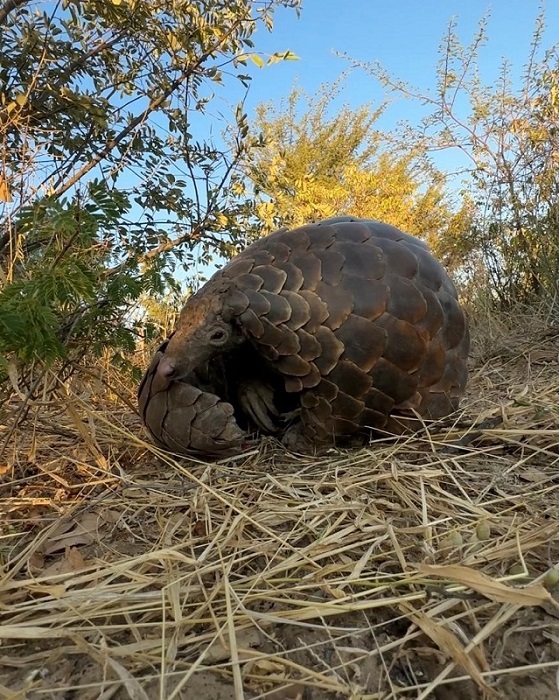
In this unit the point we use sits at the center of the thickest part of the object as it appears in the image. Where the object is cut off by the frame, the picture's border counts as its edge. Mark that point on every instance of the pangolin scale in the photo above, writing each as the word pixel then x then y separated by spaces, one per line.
pixel 319 335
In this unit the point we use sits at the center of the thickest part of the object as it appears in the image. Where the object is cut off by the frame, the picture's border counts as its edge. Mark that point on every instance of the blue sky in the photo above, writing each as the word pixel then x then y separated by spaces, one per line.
pixel 404 35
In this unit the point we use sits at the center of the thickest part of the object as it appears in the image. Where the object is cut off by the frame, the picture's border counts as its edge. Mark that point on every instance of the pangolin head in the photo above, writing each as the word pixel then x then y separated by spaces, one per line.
pixel 203 330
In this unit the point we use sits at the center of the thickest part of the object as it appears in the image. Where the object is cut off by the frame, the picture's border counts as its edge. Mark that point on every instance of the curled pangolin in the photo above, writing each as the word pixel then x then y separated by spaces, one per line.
pixel 318 335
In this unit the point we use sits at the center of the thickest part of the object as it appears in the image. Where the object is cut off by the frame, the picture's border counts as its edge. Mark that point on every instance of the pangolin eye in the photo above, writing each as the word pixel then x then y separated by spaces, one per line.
pixel 218 336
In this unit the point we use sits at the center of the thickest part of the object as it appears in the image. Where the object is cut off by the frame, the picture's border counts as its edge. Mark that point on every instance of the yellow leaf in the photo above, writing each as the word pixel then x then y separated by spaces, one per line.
pixel 255 58
pixel 534 594
pixel 5 195
pixel 174 43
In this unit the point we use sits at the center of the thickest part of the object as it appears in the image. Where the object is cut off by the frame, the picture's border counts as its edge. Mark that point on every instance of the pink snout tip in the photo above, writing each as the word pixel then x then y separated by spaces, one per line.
pixel 166 368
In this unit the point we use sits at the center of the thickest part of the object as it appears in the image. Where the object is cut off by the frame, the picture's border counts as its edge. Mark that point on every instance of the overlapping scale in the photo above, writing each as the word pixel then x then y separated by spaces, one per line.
pixel 353 323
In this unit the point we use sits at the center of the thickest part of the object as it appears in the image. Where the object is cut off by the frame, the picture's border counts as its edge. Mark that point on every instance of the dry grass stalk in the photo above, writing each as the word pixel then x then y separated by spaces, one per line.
pixel 399 571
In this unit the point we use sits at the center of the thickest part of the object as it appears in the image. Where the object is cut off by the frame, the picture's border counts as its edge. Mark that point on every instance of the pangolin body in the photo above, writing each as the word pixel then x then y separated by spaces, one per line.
pixel 319 335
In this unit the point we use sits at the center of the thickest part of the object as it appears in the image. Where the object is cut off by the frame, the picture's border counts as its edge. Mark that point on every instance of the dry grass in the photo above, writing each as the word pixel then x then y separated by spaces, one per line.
pixel 418 568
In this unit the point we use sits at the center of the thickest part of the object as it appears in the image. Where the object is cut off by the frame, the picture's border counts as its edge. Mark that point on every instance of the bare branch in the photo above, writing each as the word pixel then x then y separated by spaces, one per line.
pixel 8 6
pixel 152 107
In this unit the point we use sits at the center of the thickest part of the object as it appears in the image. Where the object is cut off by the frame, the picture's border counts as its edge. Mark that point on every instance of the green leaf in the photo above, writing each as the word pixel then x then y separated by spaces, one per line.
pixel 129 167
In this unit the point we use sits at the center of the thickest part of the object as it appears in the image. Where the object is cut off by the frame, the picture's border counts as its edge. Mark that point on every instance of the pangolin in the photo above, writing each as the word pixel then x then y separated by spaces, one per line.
pixel 321 335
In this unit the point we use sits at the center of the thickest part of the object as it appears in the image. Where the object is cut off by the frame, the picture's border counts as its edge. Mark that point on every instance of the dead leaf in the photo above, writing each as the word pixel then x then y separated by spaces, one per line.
pixel 533 594
pixel 36 561
pixel 293 691
pixel 133 687
pixel 246 639
pixel 533 475
pixel 543 357
pixel 57 590
pixel 71 561
pixel 110 516
pixel 85 531
pixel 265 667
pixel 75 559
pixel 448 643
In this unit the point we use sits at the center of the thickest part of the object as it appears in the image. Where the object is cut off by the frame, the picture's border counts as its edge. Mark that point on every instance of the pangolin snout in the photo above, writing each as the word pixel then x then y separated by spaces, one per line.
pixel 167 368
